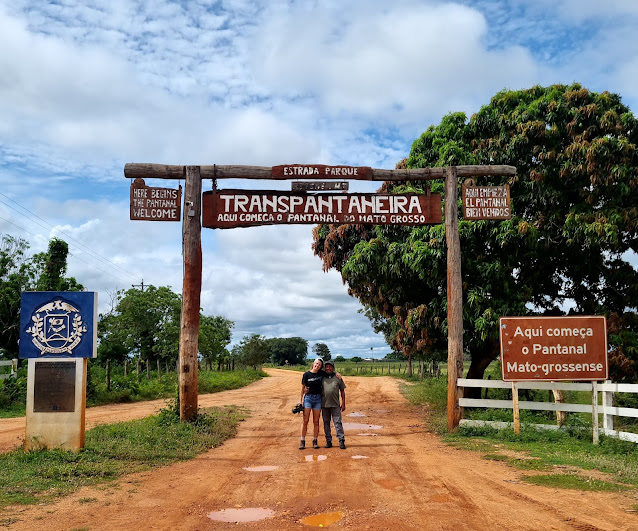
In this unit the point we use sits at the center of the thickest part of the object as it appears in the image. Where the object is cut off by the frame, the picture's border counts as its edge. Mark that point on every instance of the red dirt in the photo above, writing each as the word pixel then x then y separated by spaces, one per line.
pixel 409 481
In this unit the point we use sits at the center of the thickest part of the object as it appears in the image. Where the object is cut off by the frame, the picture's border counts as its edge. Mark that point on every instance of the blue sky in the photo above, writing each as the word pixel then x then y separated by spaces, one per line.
pixel 89 85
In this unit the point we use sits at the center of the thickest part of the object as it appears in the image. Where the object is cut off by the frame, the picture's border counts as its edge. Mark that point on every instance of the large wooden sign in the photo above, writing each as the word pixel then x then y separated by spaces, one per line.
pixel 155 204
pixel 553 348
pixel 226 209
pixel 486 202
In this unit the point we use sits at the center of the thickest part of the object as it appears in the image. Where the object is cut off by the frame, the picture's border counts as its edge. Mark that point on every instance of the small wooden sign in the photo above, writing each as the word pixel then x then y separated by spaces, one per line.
pixel 321 171
pixel 486 202
pixel 319 186
pixel 225 209
pixel 155 204
pixel 553 348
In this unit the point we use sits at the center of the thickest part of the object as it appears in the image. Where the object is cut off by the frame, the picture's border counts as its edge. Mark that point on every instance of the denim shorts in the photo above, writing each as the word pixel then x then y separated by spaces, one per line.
pixel 312 401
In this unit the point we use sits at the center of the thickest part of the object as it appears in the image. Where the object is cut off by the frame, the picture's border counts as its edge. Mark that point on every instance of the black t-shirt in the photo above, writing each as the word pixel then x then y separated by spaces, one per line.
pixel 312 380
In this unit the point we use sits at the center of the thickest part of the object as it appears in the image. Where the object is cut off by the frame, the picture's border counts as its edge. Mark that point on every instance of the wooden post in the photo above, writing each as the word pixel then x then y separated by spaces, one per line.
pixel 191 293
pixel 108 375
pixel 454 299
pixel 594 411
pixel 515 409
pixel 608 401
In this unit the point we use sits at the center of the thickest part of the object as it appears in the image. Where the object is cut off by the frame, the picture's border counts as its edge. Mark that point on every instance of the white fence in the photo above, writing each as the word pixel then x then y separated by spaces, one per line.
pixel 14 368
pixel 606 409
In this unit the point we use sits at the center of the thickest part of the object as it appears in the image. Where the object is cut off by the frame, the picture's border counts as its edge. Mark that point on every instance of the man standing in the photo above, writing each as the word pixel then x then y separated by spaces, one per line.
pixel 333 388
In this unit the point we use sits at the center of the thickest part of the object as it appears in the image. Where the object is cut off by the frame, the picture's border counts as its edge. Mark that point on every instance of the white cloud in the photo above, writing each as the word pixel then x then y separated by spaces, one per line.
pixel 89 85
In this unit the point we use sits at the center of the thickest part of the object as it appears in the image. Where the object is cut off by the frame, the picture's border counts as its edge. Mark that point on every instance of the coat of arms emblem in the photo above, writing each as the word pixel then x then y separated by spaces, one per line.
pixel 57 328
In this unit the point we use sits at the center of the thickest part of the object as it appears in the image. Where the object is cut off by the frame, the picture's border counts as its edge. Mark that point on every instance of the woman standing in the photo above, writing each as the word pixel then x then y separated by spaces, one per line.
pixel 311 387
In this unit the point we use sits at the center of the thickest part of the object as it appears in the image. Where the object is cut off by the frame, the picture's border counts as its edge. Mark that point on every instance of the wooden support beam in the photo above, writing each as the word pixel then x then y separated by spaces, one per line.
pixel 191 293
pixel 454 298
pixel 164 171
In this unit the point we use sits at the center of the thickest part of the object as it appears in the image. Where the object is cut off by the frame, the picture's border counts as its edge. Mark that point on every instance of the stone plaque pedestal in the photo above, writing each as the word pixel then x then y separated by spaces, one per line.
pixel 56 403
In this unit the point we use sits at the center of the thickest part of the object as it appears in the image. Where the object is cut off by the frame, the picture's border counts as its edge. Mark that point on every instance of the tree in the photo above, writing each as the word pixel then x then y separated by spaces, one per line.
pixel 253 351
pixel 290 350
pixel 147 322
pixel 53 266
pixel 18 273
pixel 574 219
pixel 214 337
pixel 322 351
pixel 339 359
pixel 356 359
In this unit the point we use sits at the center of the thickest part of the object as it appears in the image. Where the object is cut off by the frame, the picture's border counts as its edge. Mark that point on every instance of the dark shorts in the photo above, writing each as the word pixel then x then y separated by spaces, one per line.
pixel 312 402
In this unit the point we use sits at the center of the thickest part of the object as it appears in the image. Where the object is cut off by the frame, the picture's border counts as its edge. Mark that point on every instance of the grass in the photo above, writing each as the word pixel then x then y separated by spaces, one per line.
pixel 127 388
pixel 111 451
pixel 565 458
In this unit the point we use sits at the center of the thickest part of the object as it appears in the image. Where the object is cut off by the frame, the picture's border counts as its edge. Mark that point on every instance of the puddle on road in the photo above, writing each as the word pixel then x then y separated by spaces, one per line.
pixel 356 426
pixel 265 468
pixel 360 457
pixel 389 484
pixel 249 514
pixel 356 414
pixel 322 520
pixel 310 458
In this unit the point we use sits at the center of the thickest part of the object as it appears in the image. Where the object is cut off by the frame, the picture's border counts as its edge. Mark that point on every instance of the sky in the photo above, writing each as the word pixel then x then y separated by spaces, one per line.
pixel 87 86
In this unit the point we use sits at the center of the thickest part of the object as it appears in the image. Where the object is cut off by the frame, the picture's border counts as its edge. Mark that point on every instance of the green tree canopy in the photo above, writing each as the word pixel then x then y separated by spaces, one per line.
pixel 322 351
pixel 20 272
pixel 215 334
pixel 253 351
pixel 291 350
pixel 566 248
pixel 146 322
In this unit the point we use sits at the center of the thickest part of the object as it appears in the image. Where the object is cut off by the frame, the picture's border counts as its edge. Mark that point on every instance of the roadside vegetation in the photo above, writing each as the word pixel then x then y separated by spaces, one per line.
pixel 129 388
pixel 566 458
pixel 111 451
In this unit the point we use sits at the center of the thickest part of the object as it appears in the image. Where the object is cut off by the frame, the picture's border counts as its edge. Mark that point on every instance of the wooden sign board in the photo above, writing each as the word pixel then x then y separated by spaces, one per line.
pixel 225 209
pixel 553 348
pixel 155 204
pixel 486 202
pixel 321 171
pixel 319 186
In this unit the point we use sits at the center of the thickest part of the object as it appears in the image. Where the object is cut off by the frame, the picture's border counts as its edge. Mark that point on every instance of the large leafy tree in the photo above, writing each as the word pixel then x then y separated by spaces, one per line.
pixel 215 334
pixel 291 350
pixel 253 351
pixel 575 206
pixel 17 274
pixel 53 265
pixel 20 272
pixel 146 322
pixel 322 351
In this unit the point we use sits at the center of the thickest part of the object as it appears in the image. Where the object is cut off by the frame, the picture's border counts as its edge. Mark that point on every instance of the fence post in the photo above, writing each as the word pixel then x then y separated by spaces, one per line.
pixel 14 367
pixel 515 410
pixel 608 401
pixel 594 410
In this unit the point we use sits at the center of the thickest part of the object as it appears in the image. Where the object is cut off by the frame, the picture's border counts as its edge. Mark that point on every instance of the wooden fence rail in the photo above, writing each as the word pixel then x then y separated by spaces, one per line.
pixel 14 368
pixel 607 389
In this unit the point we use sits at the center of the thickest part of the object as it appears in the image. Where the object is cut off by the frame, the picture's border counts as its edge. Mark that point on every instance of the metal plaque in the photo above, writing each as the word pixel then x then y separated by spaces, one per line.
pixel 54 387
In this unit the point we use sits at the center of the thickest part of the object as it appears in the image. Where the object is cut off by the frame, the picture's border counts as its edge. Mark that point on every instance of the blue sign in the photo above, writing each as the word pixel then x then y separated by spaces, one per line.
pixel 58 324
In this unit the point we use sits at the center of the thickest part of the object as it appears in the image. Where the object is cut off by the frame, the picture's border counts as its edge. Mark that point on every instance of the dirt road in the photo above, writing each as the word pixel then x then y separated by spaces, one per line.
pixel 393 475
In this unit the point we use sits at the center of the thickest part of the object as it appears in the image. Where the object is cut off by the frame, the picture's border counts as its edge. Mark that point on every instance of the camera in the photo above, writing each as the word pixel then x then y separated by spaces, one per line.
pixel 298 408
